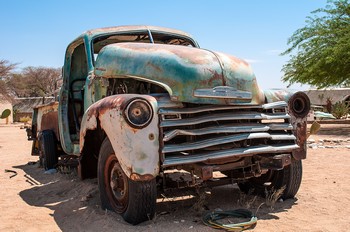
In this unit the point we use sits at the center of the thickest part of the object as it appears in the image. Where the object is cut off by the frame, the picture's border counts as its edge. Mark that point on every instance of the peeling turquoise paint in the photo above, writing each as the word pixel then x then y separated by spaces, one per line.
pixel 274 95
pixel 179 69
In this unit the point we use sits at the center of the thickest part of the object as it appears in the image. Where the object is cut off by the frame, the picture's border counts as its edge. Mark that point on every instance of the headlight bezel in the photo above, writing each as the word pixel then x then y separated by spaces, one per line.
pixel 299 104
pixel 138 113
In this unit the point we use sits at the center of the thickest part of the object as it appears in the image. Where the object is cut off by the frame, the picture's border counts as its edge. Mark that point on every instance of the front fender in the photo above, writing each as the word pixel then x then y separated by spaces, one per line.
pixel 137 150
pixel 298 120
pixel 275 95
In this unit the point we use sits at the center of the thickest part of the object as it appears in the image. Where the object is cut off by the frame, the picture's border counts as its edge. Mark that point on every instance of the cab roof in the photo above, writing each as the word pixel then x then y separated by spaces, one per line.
pixel 100 31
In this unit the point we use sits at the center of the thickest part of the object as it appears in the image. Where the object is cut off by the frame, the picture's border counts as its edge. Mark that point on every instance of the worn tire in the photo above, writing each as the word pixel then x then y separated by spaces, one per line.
pixel 48 149
pixel 290 177
pixel 134 200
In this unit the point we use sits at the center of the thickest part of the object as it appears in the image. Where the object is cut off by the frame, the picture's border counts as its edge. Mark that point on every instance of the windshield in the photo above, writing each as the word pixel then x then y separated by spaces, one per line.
pixel 140 37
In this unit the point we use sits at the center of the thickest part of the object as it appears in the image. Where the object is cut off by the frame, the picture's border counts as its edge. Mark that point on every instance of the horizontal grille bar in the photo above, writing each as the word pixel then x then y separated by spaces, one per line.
pixel 223 140
pixel 201 109
pixel 222 154
pixel 227 129
pixel 224 117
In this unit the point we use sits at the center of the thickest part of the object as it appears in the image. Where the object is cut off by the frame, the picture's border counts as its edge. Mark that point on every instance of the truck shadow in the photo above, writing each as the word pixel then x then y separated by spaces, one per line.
pixel 75 204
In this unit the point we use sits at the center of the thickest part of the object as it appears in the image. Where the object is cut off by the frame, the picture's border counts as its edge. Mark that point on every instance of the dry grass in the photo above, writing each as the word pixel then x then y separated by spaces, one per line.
pixel 272 196
pixel 200 205
pixel 247 200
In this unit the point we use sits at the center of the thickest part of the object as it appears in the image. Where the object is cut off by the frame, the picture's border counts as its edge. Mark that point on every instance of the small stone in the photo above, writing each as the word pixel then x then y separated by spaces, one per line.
pixel 176 222
pixel 321 147
pixel 330 147
pixel 310 141
pixel 313 146
pixel 321 141
pixel 191 227
pixel 280 200
pixel 347 146
pixel 182 220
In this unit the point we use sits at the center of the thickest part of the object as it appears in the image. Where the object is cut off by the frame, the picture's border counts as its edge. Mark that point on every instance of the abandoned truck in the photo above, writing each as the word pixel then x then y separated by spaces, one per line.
pixel 140 103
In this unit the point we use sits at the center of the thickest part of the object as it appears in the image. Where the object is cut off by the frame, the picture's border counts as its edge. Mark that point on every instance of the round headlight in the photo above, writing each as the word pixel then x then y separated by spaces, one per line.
pixel 299 104
pixel 138 113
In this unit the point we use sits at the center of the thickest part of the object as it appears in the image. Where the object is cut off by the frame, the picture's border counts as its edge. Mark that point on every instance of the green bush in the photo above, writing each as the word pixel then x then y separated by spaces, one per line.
pixel 340 109
pixel 25 119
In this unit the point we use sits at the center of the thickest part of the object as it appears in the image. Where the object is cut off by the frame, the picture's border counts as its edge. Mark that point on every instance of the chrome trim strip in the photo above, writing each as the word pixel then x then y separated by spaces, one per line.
pixel 227 129
pixel 223 92
pixel 242 152
pixel 223 140
pixel 280 104
pixel 275 105
pixel 222 117
pixel 204 109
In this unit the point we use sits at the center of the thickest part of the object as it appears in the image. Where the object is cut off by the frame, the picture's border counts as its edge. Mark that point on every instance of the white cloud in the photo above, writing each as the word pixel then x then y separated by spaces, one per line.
pixel 252 61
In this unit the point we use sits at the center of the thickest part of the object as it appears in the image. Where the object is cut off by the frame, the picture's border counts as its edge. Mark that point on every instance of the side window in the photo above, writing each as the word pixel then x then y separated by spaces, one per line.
pixel 79 69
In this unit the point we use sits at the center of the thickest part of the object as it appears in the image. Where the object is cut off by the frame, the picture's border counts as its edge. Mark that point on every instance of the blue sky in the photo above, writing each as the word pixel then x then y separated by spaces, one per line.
pixel 36 33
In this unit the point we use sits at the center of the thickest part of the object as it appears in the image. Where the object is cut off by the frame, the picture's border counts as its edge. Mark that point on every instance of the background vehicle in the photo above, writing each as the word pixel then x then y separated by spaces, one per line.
pixel 316 113
pixel 140 103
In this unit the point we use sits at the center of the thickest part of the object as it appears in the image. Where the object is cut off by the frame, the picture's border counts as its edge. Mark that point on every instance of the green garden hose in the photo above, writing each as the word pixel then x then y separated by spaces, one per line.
pixel 211 219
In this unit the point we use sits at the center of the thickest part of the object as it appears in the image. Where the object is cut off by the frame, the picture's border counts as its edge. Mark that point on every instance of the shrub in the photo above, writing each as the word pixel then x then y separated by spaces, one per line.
pixel 25 119
pixel 340 109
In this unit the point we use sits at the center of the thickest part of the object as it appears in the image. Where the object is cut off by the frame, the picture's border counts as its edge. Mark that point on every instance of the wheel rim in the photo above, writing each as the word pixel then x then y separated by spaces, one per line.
pixel 116 184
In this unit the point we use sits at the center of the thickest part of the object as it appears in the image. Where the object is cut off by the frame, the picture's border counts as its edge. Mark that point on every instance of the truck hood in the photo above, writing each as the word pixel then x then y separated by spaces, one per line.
pixel 189 74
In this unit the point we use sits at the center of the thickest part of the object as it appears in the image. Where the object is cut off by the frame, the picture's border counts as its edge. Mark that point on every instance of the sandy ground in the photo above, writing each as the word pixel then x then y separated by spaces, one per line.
pixel 34 201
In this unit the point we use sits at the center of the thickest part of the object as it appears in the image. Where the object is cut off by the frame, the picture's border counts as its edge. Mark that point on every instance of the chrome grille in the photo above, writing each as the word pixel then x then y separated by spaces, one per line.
pixel 210 133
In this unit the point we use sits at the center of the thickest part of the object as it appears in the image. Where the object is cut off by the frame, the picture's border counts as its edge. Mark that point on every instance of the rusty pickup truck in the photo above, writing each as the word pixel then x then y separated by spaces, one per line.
pixel 139 104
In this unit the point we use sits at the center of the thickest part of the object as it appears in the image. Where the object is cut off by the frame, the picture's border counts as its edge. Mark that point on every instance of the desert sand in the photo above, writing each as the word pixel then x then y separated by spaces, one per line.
pixel 34 201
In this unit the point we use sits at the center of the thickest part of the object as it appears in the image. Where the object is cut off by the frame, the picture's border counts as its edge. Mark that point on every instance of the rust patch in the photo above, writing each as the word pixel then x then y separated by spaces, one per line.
pixel 215 77
pixel 101 69
pixel 300 134
pixel 49 121
pixel 207 172
pixel 158 69
pixel 137 177
pixel 112 102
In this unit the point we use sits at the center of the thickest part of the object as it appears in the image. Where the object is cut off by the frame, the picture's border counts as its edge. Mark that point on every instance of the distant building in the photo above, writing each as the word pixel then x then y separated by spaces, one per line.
pixel 5 104
pixel 319 96
pixel 23 107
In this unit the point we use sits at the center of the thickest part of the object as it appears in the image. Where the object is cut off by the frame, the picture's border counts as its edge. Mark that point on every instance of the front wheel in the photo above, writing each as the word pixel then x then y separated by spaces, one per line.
pixel 289 178
pixel 134 200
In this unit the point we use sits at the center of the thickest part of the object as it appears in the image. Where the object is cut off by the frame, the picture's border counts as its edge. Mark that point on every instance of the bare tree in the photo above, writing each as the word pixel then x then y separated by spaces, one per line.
pixel 30 82
pixel 5 74
pixel 40 81
pixel 6 68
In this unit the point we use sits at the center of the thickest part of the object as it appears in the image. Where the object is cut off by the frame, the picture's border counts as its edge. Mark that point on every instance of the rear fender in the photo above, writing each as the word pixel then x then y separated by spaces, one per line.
pixel 137 150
